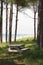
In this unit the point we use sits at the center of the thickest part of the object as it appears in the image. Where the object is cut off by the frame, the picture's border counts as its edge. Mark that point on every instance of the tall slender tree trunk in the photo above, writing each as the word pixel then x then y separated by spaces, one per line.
pixel 6 19
pixel 1 20
pixel 34 25
pixel 41 23
pixel 16 23
pixel 38 30
pixel 35 10
pixel 10 22
pixel 40 26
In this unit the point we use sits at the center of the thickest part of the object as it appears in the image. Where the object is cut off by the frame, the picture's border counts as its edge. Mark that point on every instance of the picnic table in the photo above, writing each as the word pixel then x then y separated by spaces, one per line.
pixel 17 47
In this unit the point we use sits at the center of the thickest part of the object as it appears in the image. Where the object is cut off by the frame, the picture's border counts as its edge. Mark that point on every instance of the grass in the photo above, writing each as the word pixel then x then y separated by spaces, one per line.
pixel 34 56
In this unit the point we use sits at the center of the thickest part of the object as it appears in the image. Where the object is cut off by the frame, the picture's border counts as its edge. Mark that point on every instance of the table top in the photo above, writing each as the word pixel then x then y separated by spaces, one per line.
pixel 16 44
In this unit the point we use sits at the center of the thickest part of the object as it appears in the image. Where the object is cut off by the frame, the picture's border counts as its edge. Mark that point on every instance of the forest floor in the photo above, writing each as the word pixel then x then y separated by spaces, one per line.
pixel 34 56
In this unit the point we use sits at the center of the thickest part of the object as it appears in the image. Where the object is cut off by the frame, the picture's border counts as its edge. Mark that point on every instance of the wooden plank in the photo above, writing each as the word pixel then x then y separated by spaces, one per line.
pixel 18 50
pixel 9 50
pixel 24 49
pixel 13 45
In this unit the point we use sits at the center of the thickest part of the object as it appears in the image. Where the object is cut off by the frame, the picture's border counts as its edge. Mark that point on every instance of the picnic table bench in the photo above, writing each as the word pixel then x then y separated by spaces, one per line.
pixel 17 48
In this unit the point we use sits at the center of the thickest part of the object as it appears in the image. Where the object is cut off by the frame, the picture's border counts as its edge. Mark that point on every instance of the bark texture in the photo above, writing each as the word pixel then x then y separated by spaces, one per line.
pixel 40 25
pixel 10 22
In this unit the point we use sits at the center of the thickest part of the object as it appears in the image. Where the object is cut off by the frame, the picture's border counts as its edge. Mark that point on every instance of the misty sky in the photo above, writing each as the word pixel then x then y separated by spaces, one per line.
pixel 25 21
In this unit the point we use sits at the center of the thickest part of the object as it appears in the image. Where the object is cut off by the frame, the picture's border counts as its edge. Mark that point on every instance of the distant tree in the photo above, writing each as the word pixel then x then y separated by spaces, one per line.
pixel 10 21
pixel 19 4
pixel 35 9
pixel 1 20
pixel 34 4
pixel 6 2
pixel 6 20
pixel 16 23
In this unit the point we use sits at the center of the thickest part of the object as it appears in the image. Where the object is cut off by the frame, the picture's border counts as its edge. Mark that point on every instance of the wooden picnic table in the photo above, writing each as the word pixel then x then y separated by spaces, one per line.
pixel 17 47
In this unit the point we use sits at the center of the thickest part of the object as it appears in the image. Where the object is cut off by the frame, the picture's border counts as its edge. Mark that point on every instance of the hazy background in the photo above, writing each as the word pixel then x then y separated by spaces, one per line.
pixel 25 23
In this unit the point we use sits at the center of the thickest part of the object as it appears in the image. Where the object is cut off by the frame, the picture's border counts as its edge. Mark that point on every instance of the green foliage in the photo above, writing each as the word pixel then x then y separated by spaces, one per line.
pixel 8 1
pixel 32 1
pixel 30 57
pixel 22 3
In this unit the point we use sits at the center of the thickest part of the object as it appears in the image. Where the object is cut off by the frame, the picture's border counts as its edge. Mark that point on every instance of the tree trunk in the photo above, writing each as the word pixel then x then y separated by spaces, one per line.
pixel 6 19
pixel 40 25
pixel 34 25
pixel 1 20
pixel 10 22
pixel 38 30
pixel 16 23
pixel 35 11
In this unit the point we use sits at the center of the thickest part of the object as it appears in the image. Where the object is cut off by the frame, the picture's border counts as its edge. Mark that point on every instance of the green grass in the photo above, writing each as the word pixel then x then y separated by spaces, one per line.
pixel 34 56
